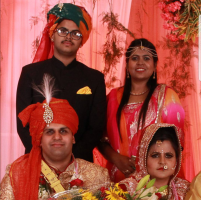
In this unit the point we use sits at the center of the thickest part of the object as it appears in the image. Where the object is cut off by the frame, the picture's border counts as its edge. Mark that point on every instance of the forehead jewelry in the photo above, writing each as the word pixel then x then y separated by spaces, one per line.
pixel 142 47
pixel 134 49
pixel 159 142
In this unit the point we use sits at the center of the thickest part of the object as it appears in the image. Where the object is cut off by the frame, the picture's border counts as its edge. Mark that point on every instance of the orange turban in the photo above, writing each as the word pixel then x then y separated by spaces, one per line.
pixel 63 113
pixel 25 171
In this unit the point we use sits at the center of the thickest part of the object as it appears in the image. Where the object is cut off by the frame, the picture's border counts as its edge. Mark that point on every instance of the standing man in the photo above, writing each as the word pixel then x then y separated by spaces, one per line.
pixel 68 28
pixel 50 167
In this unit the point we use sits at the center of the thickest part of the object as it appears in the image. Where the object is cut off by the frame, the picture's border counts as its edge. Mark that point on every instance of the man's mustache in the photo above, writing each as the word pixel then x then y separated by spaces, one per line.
pixel 67 40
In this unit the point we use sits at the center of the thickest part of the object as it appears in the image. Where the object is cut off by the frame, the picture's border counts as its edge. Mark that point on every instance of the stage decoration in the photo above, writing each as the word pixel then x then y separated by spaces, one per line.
pixel 177 65
pixel 113 192
pixel 34 20
pixel 181 18
pixel 112 50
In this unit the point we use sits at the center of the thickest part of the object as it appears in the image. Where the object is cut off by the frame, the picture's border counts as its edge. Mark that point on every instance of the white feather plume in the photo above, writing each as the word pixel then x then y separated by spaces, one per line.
pixel 47 88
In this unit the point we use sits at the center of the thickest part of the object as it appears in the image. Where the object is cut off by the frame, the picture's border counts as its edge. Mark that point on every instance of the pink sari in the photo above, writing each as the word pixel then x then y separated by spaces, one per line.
pixel 164 107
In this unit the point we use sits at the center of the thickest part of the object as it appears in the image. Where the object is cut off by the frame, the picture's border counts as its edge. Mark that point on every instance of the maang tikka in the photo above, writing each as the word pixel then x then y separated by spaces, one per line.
pixel 149 50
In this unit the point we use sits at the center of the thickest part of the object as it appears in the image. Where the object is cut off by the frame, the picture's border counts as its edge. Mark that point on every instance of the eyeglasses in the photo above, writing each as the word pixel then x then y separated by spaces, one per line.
pixel 63 32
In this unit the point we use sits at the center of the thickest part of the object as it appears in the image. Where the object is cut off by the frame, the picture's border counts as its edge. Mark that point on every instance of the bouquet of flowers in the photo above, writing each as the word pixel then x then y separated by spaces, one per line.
pixel 181 18
pixel 112 192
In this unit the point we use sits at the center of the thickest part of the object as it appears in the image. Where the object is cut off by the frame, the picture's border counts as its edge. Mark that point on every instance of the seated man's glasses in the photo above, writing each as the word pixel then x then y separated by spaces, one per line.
pixel 63 32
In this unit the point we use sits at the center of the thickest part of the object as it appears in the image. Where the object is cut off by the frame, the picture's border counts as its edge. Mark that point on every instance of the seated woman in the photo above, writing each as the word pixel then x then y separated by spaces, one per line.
pixel 195 189
pixel 160 155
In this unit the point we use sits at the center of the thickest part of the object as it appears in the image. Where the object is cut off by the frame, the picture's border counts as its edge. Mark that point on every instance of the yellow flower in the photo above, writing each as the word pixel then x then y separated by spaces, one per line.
pixel 113 194
pixel 88 196
pixel 121 192
pixel 81 190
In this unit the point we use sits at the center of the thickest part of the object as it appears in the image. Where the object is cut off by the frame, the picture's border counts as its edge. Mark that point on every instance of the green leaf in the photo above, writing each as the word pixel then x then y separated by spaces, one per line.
pixel 150 183
pixel 162 188
pixel 196 9
pixel 184 13
pixel 149 194
pixel 142 182
pixel 128 196
pixel 196 20
pixel 187 32
pixel 182 31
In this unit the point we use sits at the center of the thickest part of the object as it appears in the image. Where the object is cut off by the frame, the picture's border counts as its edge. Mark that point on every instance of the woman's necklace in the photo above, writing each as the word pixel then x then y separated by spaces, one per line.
pixel 164 192
pixel 138 94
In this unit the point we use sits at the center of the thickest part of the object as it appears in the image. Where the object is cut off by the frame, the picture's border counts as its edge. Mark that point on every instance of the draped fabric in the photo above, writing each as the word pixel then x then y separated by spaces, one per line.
pixel 164 106
pixel 195 192
pixel 21 25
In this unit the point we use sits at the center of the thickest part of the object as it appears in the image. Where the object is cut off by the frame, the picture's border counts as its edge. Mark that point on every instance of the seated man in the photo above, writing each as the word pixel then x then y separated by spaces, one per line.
pixel 50 167
pixel 195 189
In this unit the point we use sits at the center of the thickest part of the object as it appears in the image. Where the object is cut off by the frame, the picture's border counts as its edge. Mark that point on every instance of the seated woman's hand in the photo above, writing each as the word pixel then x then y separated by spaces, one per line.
pixel 125 164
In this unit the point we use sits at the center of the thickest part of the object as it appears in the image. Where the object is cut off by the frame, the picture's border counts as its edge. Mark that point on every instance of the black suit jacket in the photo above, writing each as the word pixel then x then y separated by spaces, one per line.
pixel 91 109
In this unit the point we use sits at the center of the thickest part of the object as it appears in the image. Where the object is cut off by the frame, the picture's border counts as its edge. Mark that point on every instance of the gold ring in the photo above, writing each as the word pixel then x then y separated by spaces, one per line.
pixel 126 171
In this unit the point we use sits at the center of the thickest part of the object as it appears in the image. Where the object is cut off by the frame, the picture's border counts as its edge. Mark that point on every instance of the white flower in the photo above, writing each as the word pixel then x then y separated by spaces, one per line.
pixel 44 194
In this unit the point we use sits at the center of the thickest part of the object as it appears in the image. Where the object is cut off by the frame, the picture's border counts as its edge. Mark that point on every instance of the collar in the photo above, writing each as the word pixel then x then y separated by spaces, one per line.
pixel 56 62
pixel 57 171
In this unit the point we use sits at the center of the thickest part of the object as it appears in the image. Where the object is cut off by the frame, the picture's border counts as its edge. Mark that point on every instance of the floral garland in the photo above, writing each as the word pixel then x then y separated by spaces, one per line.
pixel 181 18
pixel 113 192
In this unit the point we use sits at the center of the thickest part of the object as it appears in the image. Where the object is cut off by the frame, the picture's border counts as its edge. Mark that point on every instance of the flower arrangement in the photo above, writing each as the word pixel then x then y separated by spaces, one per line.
pixel 113 192
pixel 181 18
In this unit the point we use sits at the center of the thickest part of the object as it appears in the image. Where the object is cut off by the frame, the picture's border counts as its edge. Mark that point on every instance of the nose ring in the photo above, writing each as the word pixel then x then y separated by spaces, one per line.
pixel 165 167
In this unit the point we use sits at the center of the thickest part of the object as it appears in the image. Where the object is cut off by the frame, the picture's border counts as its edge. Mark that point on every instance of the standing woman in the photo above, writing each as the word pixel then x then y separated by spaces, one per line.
pixel 131 108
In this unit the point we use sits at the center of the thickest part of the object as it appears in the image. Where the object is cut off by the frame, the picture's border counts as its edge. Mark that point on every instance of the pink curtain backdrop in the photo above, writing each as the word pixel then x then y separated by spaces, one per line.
pixel 18 32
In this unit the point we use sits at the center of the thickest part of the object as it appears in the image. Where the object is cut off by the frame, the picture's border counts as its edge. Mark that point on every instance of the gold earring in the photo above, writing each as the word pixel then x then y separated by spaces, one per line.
pixel 52 39
pixel 127 73
pixel 154 76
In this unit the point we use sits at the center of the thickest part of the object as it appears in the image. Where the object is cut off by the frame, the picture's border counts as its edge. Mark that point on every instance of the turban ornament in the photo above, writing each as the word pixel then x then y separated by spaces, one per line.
pixel 47 90
pixel 48 114
pixel 60 5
